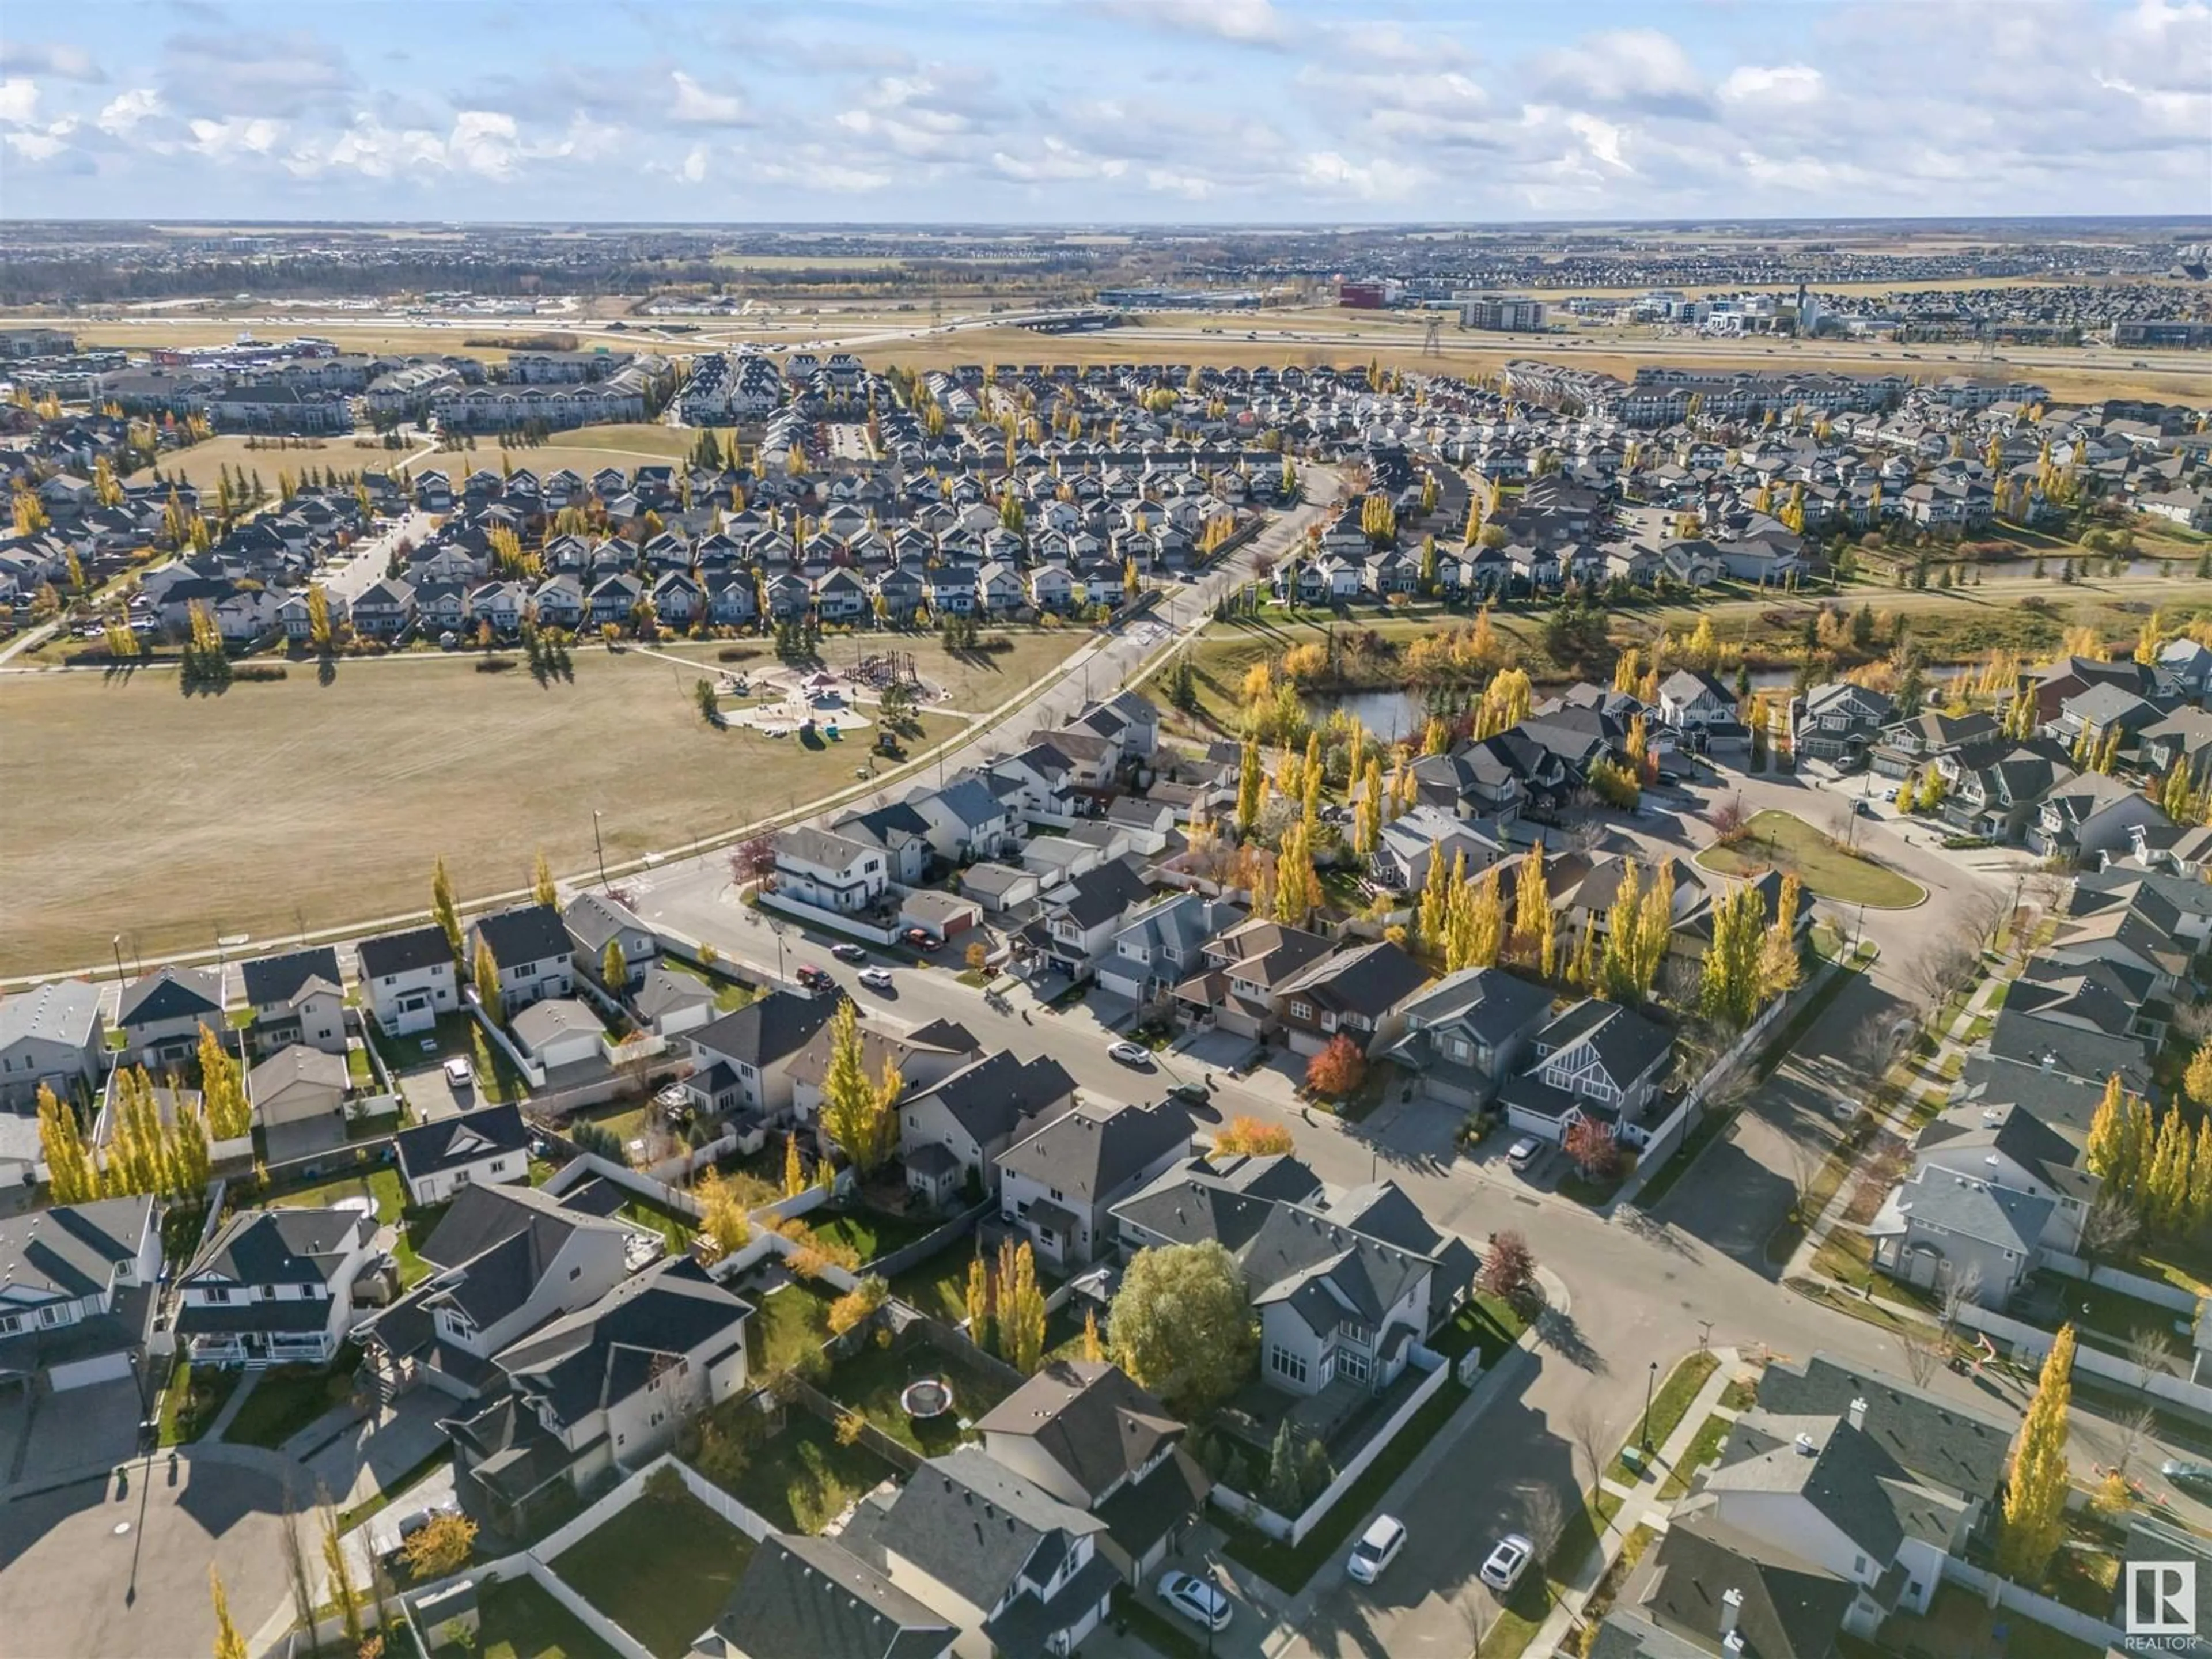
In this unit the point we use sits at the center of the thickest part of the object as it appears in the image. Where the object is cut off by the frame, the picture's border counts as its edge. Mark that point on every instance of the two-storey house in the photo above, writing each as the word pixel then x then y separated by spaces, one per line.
pixel 595 921
pixel 408 979
pixel 276 1287
pixel 1467 1033
pixel 1596 1060
pixel 54 1034
pixel 1361 994
pixel 953 1132
pixel 740 1062
pixel 530 951
pixel 1157 945
pixel 298 997
pixel 1058 1180
pixel 77 1288
pixel 1239 987
pixel 828 872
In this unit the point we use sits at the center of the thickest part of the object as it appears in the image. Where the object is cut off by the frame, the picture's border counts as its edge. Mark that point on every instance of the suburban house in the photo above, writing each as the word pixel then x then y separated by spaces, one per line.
pixel 899 832
pixel 277 1287
pixel 1840 723
pixel 408 978
pixel 602 1387
pixel 1467 1033
pixel 1717 1590
pixel 1239 988
pixel 487 1146
pixel 594 920
pixel 1400 860
pixel 1358 994
pixel 78 1284
pixel 53 1034
pixel 965 819
pixel 740 1062
pixel 1014 1568
pixel 1080 918
pixel 812 1595
pixel 1701 710
pixel 1939 1231
pixel 503 1260
pixel 161 1015
pixel 1347 1284
pixel 1058 1182
pixel 957 1127
pixel 298 997
pixel 2088 814
pixel 1859 1474
pixel 1082 1431
pixel 530 950
pixel 1597 1061
pixel 2009 1147
pixel 299 1100
pixel 828 872
pixel 1158 945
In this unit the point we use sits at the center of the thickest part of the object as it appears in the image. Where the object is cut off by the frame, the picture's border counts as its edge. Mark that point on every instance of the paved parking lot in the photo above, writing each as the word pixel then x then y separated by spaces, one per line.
pixel 117 1568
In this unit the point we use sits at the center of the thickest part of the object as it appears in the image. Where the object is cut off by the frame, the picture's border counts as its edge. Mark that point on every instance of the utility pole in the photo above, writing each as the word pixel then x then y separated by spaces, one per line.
pixel 601 846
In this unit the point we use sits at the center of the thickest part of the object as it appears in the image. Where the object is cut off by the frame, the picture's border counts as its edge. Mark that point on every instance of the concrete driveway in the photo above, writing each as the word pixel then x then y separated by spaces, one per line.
pixel 375 1454
pixel 98 1423
pixel 118 1565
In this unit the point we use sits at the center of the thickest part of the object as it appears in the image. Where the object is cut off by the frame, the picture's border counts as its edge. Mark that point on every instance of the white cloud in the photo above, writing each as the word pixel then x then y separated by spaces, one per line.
pixel 19 100
pixel 696 106
pixel 1629 69
pixel 234 135
pixel 123 113
pixel 1379 179
pixel 694 167
pixel 1783 83
pixel 1252 21
pixel 1055 158
pixel 1188 185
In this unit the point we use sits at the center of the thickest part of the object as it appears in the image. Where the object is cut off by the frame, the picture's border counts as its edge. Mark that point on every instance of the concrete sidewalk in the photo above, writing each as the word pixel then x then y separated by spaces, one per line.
pixel 1641 1505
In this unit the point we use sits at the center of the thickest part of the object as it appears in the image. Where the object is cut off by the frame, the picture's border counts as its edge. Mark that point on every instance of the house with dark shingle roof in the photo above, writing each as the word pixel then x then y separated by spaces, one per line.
pixel 1465 1035
pixel 531 948
pixel 297 997
pixel 1006 1562
pixel 161 1015
pixel 408 978
pixel 77 1290
pixel 813 1596
pixel 1345 1284
pixel 608 1383
pixel 487 1146
pixel 960 1124
pixel 276 1286
pixel 740 1062
pixel 1596 1060
pixel 1058 1181
pixel 1716 1589
pixel 1361 994
pixel 54 1034
pixel 1084 1433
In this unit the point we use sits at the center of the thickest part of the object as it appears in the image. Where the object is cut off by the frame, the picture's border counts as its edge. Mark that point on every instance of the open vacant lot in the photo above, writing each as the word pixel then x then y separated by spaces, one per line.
pixel 586 449
pixel 171 819
pixel 202 462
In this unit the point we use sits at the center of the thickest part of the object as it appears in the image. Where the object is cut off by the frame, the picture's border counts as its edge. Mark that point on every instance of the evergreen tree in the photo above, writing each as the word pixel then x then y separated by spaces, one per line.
pixel 2035 1497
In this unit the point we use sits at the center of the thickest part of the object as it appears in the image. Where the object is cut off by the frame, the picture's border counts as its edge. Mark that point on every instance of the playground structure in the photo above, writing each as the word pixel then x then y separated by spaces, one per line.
pixel 799 699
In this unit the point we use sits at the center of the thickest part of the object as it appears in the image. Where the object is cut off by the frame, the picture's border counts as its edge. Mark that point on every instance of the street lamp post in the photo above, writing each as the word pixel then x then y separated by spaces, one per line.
pixel 1650 1380
pixel 601 846
pixel 117 942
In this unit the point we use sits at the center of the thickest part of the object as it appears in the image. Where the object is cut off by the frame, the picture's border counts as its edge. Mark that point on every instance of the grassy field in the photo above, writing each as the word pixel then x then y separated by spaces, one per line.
pixel 1779 841
pixel 585 450
pixel 202 462
pixel 288 804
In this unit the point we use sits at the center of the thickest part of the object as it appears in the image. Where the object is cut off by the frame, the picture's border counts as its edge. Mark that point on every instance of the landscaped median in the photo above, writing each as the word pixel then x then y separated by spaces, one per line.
pixel 1671 1404
pixel 1783 842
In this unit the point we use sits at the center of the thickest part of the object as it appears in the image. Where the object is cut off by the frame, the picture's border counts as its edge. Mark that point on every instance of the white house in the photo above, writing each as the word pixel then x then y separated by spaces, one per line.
pixel 530 950
pixel 276 1287
pixel 408 978
pixel 77 1286
pixel 484 1147
pixel 53 1034
pixel 828 872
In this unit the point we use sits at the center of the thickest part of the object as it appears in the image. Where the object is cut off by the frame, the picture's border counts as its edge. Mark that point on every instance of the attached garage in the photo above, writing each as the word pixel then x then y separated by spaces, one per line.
pixel 82 1373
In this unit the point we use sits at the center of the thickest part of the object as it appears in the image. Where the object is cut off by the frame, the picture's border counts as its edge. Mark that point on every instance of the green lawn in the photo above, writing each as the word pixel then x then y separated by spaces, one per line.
pixel 1781 841
pixel 381 1182
pixel 662 1570
pixel 730 994
pixel 194 1399
pixel 871 1381
pixel 288 1398
pixel 938 1286
pixel 521 1621
pixel 1287 1566
pixel 1485 1322
pixel 359 1072
pixel 1669 1406
pixel 1704 1448
pixel 788 1321
pixel 802 1479
pixel 870 1233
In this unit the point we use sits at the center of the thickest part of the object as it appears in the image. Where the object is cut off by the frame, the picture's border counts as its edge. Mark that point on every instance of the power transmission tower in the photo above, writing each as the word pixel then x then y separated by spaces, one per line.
pixel 1986 343
pixel 1432 345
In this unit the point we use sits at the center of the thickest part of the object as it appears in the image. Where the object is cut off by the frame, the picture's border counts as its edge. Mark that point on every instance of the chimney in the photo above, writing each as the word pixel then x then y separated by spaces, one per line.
pixel 1857 1413
pixel 1731 1610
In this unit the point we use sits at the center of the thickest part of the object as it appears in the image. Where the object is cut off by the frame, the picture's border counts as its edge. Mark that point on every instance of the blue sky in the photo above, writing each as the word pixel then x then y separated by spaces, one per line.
pixel 1086 111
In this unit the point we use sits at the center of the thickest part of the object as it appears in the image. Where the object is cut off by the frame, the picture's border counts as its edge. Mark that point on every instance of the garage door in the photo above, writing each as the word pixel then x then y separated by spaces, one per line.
pixel 79 1373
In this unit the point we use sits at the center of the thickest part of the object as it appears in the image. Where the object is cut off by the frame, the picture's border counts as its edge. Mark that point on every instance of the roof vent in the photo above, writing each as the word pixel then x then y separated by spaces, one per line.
pixel 1806 1447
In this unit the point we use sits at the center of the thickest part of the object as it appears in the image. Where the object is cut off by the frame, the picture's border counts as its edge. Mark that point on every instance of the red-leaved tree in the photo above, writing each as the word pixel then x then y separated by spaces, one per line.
pixel 1596 1151
pixel 1337 1070
pixel 1509 1270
